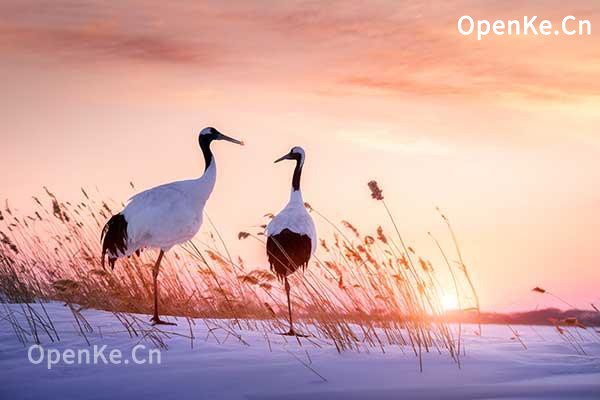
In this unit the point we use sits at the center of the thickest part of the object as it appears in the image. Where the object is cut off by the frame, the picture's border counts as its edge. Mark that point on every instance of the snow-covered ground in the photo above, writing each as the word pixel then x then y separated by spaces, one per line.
pixel 494 367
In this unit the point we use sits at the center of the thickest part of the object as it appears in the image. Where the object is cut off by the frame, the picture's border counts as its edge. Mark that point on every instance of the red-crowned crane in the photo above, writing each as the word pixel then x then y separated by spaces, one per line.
pixel 164 216
pixel 291 234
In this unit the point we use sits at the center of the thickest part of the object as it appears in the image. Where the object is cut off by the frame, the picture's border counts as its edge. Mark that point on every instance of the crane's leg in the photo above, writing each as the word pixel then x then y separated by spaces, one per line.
pixel 155 319
pixel 287 291
pixel 291 332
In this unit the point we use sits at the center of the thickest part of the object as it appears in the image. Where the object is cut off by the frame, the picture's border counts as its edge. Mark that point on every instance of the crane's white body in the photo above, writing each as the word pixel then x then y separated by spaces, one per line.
pixel 166 215
pixel 169 214
pixel 296 218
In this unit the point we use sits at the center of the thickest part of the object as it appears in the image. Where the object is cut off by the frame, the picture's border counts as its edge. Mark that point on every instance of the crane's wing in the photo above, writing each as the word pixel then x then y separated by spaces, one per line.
pixel 287 251
pixel 297 220
pixel 166 213
pixel 159 199
pixel 165 191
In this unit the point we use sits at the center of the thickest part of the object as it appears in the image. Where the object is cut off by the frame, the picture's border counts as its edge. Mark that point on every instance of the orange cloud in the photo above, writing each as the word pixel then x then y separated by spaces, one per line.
pixel 92 44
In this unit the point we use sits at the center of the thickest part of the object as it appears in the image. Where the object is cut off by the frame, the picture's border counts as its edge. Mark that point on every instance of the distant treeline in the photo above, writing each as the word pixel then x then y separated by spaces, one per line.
pixel 546 316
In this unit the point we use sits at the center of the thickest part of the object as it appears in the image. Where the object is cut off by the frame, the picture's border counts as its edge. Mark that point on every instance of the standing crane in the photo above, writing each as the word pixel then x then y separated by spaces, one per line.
pixel 163 216
pixel 291 234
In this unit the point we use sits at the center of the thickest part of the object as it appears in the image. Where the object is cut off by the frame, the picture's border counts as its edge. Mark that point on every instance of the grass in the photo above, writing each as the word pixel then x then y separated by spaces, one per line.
pixel 360 292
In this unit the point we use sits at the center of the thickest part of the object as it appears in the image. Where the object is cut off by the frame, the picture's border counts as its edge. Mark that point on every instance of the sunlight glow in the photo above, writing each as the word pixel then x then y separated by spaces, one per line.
pixel 449 302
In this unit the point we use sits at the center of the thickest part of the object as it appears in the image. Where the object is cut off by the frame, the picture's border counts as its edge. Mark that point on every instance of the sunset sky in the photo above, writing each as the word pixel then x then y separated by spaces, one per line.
pixel 503 134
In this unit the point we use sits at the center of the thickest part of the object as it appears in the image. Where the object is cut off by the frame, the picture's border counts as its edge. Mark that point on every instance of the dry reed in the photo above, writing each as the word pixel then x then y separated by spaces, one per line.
pixel 361 292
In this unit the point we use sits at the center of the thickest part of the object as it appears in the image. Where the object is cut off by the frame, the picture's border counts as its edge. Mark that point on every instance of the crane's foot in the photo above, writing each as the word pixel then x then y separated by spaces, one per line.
pixel 157 321
pixel 292 332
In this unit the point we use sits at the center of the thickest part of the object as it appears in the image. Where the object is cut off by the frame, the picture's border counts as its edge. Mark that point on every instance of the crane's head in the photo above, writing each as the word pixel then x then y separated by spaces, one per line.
pixel 209 134
pixel 296 153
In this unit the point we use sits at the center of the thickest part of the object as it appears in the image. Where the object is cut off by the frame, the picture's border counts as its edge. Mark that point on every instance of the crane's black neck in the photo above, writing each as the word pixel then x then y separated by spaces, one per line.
pixel 297 173
pixel 205 141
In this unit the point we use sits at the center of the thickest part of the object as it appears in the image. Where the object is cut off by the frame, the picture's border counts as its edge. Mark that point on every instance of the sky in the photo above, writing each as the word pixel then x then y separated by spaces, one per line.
pixel 501 133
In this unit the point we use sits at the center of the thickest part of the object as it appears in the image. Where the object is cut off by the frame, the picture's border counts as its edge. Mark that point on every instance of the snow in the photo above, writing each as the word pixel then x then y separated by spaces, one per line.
pixel 493 367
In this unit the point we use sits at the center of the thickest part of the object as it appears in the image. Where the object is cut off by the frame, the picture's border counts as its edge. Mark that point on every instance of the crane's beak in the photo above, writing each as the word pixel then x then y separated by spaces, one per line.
pixel 230 139
pixel 286 157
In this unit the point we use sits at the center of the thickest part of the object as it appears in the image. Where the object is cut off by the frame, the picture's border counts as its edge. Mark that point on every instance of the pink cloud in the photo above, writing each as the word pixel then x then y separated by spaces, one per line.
pixel 387 48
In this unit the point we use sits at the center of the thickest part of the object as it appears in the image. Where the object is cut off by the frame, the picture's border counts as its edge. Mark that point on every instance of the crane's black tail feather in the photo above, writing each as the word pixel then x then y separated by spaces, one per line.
pixel 287 251
pixel 114 239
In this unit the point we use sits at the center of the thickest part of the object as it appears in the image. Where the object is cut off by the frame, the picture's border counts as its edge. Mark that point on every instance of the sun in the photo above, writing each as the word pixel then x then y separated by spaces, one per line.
pixel 449 302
